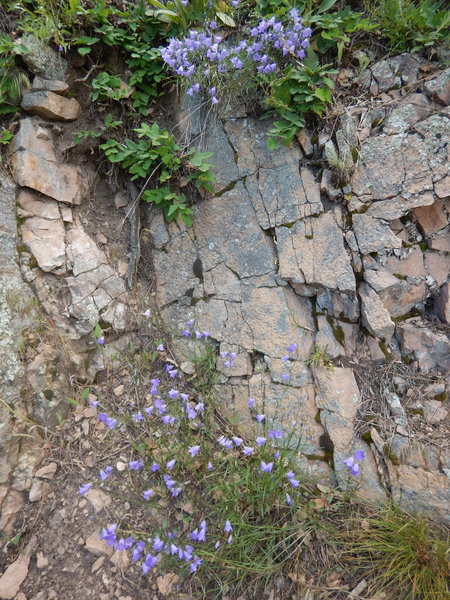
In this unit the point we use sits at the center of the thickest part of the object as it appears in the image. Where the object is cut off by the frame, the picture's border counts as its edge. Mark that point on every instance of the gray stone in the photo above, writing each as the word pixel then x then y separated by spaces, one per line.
pixel 429 348
pixel 16 315
pixel 375 316
pixel 338 399
pixel 43 60
pixel 312 252
pixel 410 110
pixel 439 88
pixel 45 239
pixel 49 105
pixel 373 235
pixel 397 207
pixel 326 340
pixel 32 154
pixel 442 303
pixel 51 85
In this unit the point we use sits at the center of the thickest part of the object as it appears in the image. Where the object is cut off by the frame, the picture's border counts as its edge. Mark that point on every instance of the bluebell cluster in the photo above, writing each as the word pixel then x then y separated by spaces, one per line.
pixel 202 57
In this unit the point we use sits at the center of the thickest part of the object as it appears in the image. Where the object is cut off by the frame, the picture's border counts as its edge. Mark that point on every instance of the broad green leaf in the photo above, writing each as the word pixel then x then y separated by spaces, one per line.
pixel 323 94
pixel 226 19
pixel 324 6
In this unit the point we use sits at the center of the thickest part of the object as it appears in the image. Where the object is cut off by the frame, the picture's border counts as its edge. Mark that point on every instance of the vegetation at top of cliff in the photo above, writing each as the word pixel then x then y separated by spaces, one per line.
pixel 282 55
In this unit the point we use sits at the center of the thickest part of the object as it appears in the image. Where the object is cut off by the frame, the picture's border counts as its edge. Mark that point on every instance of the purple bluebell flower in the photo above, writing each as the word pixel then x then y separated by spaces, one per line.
pixel 160 347
pixel 247 450
pixel 227 528
pixel 190 412
pixel 160 406
pixel 101 340
pixel 198 335
pixel 173 373
pixel 266 467
pixel 359 455
pixel 170 465
pixel 292 348
pixel 194 450
pixel 106 473
pixel 135 465
pixel 210 466
pixel 158 544
pixel 251 402
pixel 109 534
pixel 285 376
pixel 216 545
pixel 237 440
pixel 289 500
pixel 294 482
pixel 147 494
pixel 149 409
pixel 94 402
pixel 230 539
pixel 260 418
pixel 168 419
pixel 173 393
pixel 154 467
pixel 275 433
pixel 149 563
pixel 261 440
pixel 137 417
pixel 355 469
pixel 175 491
pixel 285 358
pixel 83 489
pixel 191 91
pixel 148 313
pixel 168 481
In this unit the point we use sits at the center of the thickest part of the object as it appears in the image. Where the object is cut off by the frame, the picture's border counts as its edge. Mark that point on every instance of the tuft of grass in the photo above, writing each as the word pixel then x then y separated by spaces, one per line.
pixel 409 25
pixel 402 554
pixel 319 357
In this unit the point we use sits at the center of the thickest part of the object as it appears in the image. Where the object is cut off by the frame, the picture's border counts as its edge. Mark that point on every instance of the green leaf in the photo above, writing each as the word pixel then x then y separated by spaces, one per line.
pixel 273 144
pixel 324 6
pixel 226 19
pixel 84 50
pixel 323 94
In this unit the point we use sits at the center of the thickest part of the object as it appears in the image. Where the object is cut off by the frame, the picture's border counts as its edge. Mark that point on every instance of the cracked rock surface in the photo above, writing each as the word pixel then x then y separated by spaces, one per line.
pixel 280 257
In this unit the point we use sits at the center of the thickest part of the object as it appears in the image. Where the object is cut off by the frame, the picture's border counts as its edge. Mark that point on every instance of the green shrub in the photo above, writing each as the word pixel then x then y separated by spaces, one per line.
pixel 409 25
pixel 156 155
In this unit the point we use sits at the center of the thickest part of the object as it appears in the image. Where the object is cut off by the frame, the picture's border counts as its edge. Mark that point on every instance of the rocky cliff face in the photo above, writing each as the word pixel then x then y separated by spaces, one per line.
pixel 349 262
pixel 353 261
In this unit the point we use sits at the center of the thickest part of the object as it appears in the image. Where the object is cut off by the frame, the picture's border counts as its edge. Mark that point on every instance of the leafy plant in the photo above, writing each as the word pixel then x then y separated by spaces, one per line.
pixel 109 87
pixel 300 91
pixel 194 12
pixel 11 78
pixel 409 25
pixel 156 155
pixel 5 137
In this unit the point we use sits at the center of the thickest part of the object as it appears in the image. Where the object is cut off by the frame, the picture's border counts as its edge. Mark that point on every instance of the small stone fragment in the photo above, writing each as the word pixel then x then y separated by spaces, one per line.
pixel 39 490
pixel 98 499
pixel 434 411
pixel 15 574
pixel 41 560
pixel 47 471
pixel 166 583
